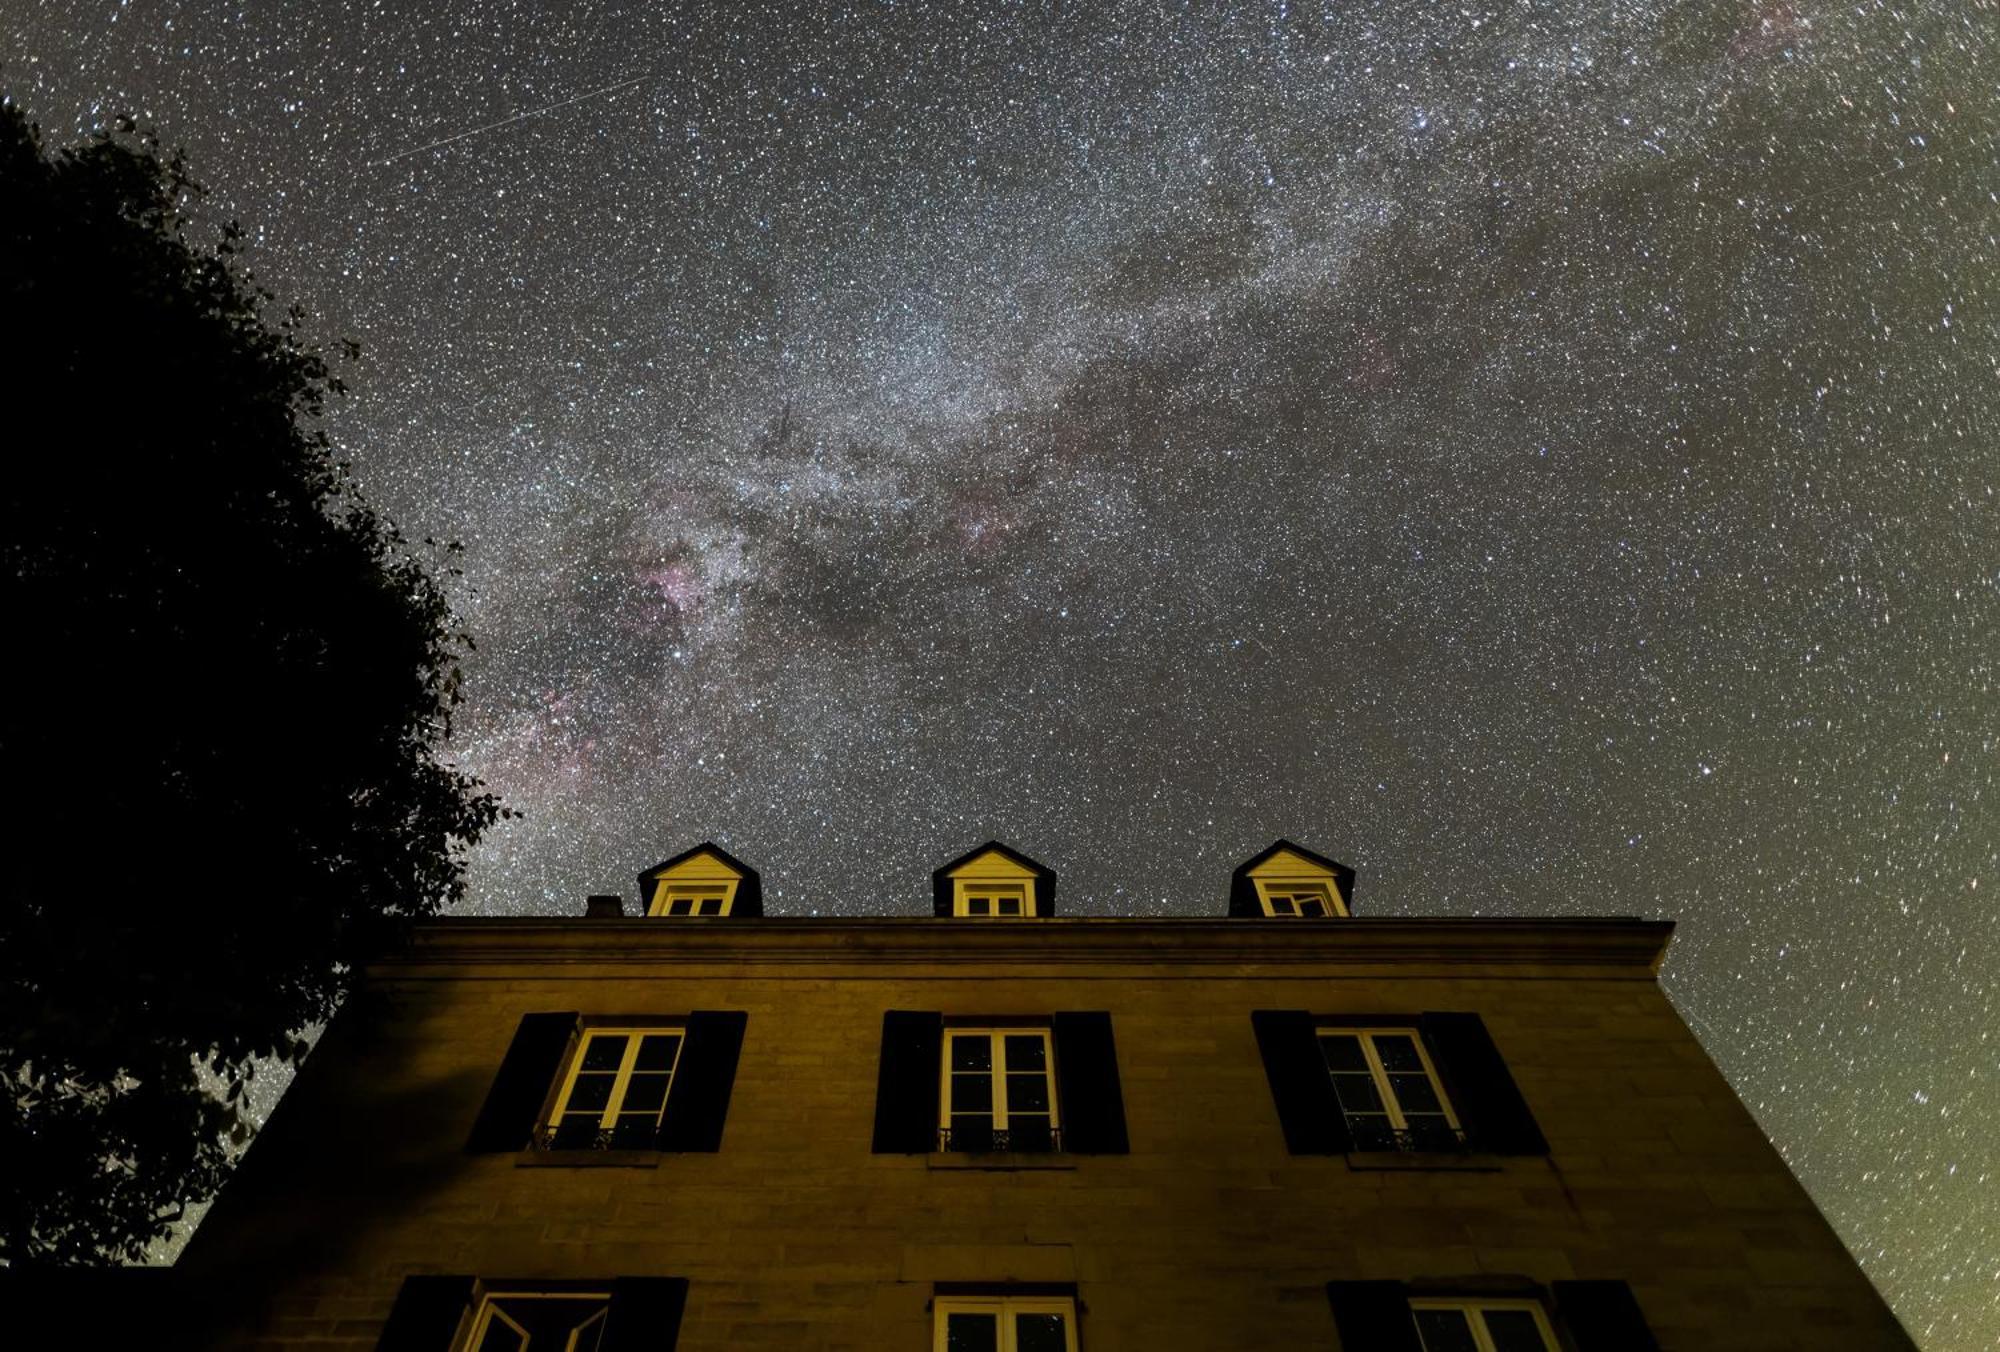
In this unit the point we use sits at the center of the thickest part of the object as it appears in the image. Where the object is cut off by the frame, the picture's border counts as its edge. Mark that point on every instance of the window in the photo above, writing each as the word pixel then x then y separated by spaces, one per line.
pixel 461 1313
pixel 1388 1090
pixel 978 1083
pixel 1364 1083
pixel 692 899
pixel 998 1090
pixel 984 898
pixel 1297 899
pixel 613 1082
pixel 616 1089
pixel 529 1321
pixel 1004 1324
pixel 1472 1325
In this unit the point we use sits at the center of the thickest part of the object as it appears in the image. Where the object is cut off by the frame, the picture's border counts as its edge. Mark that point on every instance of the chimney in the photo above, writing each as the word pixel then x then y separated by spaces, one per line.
pixel 604 908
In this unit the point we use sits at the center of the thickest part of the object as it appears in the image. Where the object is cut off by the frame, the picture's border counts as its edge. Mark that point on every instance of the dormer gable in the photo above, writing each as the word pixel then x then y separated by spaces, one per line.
pixel 993 882
pixel 1288 881
pixel 706 881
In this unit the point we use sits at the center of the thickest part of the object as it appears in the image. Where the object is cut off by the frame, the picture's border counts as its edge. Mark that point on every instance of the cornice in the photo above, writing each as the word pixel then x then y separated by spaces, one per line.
pixel 1629 948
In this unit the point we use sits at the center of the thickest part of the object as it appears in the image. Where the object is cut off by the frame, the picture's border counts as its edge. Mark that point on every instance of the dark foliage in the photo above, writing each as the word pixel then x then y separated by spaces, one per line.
pixel 227 690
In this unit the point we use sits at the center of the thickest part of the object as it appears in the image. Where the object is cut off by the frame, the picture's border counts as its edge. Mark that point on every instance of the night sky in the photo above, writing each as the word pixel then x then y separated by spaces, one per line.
pixel 1545 460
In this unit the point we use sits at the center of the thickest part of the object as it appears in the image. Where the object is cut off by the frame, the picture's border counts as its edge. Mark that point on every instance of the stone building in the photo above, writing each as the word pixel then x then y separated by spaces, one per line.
pixel 996 1128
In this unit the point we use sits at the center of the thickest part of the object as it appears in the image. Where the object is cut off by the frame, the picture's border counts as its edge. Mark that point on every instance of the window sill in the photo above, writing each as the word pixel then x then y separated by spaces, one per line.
pixel 1422 1161
pixel 999 1161
pixel 587 1159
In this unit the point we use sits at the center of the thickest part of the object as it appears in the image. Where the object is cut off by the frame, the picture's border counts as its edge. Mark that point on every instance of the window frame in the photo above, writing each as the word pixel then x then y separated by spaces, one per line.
pixel 1365 1034
pixel 1001 1307
pixel 636 1032
pixel 1326 890
pixel 1474 1308
pixel 965 891
pixel 488 1309
pixel 697 894
pixel 1269 893
pixel 997 1073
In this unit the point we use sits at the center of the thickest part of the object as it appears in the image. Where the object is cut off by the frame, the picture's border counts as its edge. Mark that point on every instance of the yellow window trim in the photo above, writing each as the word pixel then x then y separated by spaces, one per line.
pixel 488 1312
pixel 1380 1074
pixel 966 890
pixel 1002 1308
pixel 1475 1307
pixel 633 1036
pixel 998 1072
pixel 671 890
pixel 1324 887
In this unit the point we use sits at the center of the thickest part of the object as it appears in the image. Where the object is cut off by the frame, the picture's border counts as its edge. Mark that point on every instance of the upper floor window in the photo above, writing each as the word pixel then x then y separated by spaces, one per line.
pixel 1291 881
pixel 569 1082
pixel 435 1313
pixel 1004 1324
pixel 994 1083
pixel 616 1090
pixel 993 883
pixel 1298 899
pixel 999 1090
pixel 1512 1315
pixel 529 1321
pixel 1388 1090
pixel 993 898
pixel 1344 1083
pixel 1477 1325
pixel 703 881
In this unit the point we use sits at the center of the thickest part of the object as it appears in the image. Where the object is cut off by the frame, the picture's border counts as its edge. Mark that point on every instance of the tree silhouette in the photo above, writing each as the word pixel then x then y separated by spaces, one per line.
pixel 229 685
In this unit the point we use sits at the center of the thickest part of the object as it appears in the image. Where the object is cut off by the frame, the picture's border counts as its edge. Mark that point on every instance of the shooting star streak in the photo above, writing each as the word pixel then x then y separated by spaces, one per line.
pixel 504 122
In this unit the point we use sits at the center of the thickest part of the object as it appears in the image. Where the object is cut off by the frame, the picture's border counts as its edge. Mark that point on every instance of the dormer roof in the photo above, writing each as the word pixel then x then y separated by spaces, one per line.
pixel 706 864
pixel 996 862
pixel 1284 860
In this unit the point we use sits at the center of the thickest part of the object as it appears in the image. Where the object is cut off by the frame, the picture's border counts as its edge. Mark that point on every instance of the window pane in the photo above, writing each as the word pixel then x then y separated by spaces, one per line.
pixel 590 1335
pixel 1372 1132
pixel 975 905
pixel 1429 1131
pixel 1398 1052
pixel 645 1094
pixel 972 1093
pixel 603 1053
pixel 1028 1093
pixel 577 1131
pixel 500 1338
pixel 590 1093
pixel 1514 1331
pixel 1357 1093
pixel 634 1131
pixel 1030 1135
pixel 656 1052
pixel 1007 906
pixel 1039 1333
pixel 972 1053
pixel 679 906
pixel 1027 1053
pixel 1343 1053
pixel 1445 1331
pixel 972 1333
pixel 1414 1093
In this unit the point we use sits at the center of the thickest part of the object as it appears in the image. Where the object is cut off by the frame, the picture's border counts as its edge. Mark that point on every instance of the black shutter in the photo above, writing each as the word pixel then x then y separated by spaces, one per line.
pixel 1300 1085
pixel 508 1118
pixel 906 1086
pixel 644 1315
pixel 1603 1317
pixel 427 1314
pixel 1373 1317
pixel 1495 1116
pixel 1093 1108
pixel 698 1102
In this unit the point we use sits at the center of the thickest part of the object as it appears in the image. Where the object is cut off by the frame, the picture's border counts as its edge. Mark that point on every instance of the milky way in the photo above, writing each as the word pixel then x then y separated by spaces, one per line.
pixel 1543 459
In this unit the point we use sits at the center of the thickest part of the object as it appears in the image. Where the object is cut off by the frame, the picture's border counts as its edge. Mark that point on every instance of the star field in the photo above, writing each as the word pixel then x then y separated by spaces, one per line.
pixel 1543 458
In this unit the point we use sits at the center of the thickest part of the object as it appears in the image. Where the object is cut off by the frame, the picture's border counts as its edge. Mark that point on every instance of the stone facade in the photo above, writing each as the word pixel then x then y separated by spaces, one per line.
pixel 1209 1234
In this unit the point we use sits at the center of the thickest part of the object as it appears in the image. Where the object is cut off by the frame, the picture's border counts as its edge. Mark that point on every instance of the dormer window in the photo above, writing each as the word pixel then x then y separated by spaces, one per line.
pixel 1290 882
pixel 1306 899
pixel 704 882
pixel 993 883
